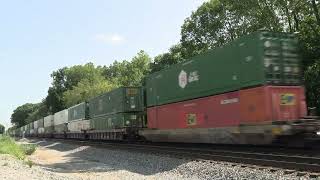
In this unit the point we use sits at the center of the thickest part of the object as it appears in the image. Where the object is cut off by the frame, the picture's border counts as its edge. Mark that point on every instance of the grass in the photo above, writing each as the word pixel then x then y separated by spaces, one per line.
pixel 9 146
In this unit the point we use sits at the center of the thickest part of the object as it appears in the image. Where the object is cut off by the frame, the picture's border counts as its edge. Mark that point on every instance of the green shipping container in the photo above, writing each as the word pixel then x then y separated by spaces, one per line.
pixel 124 99
pixel 78 112
pixel 117 121
pixel 253 60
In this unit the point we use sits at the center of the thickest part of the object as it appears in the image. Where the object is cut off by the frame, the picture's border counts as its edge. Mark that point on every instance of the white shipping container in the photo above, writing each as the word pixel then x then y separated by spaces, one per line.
pixel 41 130
pixel 35 124
pixel 48 121
pixel 78 125
pixel 61 117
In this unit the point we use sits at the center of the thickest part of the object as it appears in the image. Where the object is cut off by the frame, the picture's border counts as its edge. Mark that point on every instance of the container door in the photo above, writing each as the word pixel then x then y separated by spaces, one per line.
pixel 133 99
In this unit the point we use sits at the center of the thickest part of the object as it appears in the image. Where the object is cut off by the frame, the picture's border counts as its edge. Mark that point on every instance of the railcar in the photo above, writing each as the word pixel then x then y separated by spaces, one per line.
pixel 247 92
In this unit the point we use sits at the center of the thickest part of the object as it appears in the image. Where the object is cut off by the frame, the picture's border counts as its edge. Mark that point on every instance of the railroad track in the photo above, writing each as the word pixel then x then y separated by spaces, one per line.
pixel 301 162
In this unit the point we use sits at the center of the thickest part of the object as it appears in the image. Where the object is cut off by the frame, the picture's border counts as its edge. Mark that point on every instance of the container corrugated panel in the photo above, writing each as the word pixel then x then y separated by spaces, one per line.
pixel 48 121
pixel 78 125
pixel 78 112
pixel 214 111
pixel 60 128
pixel 41 130
pixel 253 60
pixel 264 104
pixel 31 125
pixel 61 117
pixel 28 127
pixel 40 123
pixel 124 99
pixel 272 103
pixel 35 124
pixel 116 121
pixel 48 130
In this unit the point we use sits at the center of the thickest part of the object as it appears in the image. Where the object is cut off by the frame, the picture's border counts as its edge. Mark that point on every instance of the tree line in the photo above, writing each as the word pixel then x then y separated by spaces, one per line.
pixel 215 23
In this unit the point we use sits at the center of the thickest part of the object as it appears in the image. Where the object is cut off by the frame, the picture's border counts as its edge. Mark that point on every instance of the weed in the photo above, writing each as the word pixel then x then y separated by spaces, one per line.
pixel 29 163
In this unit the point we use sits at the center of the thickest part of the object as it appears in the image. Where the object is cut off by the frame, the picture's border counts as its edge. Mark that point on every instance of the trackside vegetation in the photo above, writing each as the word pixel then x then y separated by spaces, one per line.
pixel 20 151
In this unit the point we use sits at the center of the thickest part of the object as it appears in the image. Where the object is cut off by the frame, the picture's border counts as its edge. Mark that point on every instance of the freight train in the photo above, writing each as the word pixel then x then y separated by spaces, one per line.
pixel 247 92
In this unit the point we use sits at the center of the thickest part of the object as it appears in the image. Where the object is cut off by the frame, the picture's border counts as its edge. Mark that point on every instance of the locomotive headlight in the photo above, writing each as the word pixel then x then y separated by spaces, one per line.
pixel 318 133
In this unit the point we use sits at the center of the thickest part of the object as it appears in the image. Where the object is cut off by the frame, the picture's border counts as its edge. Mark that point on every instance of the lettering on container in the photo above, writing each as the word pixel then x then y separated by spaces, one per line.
pixel 190 104
pixel 193 76
pixel 229 101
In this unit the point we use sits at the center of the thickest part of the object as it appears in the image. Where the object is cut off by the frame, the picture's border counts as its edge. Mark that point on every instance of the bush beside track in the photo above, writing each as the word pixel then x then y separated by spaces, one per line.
pixel 20 151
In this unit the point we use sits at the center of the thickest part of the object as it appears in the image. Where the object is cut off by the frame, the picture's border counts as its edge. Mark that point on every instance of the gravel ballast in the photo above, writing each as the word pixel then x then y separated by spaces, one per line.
pixel 86 162
pixel 14 169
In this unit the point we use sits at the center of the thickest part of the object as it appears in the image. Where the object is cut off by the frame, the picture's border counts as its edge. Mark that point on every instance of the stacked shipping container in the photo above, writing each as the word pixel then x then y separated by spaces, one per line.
pixel 35 127
pixel 250 81
pixel 40 126
pixel 78 116
pixel 117 109
pixel 48 124
pixel 254 60
pixel 60 121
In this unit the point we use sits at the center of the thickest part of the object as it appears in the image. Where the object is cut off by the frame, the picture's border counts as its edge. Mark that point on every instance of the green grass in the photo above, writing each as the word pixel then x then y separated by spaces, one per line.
pixel 9 146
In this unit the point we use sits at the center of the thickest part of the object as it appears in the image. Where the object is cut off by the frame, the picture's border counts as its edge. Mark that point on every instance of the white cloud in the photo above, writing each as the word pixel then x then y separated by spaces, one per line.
pixel 109 38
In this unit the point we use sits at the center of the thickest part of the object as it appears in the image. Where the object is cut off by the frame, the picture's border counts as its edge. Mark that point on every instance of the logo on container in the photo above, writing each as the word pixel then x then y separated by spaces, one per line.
pixel 287 99
pixel 184 79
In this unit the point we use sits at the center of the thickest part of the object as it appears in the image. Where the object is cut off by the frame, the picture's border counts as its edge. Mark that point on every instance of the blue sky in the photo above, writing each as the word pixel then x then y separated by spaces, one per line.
pixel 40 36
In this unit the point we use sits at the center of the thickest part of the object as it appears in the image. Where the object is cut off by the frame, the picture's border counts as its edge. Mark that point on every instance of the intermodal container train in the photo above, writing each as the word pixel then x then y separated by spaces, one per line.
pixel 247 92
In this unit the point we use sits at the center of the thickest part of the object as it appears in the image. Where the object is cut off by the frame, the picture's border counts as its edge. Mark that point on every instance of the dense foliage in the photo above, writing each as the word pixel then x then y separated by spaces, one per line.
pixel 213 24
pixel 2 129
pixel 72 85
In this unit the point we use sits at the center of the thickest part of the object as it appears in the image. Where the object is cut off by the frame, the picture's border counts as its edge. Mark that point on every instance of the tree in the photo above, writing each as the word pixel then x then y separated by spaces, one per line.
pixel 2 129
pixel 175 55
pixel 86 89
pixel 40 111
pixel 54 101
pixel 312 76
pixel 127 73
pixel 218 22
pixel 65 79
pixel 21 113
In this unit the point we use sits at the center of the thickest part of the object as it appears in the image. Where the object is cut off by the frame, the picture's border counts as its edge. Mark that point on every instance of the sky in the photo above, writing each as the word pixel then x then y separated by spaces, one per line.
pixel 40 36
